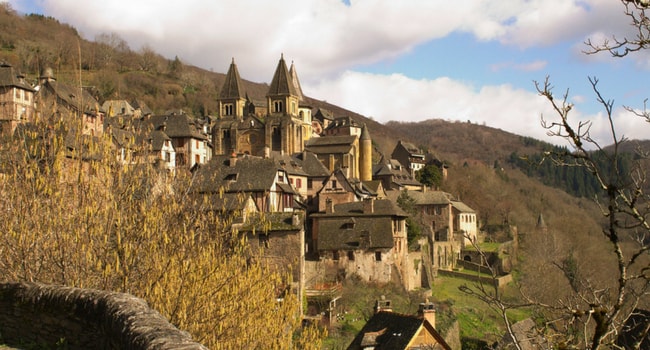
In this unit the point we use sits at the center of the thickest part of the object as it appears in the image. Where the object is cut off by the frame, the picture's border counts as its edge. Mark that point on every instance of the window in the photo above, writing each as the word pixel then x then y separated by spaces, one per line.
pixel 168 157
pixel 333 183
pixel 348 226
pixel 377 256
pixel 438 211
pixel 350 255
pixel 335 255
pixel 298 183
pixel 227 109
pixel 310 183
pixel 277 106
pixel 197 144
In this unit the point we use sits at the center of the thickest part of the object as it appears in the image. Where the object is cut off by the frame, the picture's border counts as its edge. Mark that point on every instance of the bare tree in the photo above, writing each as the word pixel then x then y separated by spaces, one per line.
pixel 602 311
pixel 610 311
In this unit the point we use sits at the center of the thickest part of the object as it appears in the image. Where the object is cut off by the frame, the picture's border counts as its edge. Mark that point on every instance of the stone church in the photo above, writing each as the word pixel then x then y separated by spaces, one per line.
pixel 246 127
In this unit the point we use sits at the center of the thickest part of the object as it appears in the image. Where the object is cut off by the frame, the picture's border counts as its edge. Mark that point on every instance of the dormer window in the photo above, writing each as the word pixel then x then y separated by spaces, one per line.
pixel 230 177
pixel 348 226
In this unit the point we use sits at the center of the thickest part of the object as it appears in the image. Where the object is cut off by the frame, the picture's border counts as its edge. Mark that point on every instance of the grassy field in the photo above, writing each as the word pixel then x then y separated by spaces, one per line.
pixel 477 320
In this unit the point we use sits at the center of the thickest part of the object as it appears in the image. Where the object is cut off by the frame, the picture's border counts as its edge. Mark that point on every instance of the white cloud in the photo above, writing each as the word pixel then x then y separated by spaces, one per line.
pixel 327 39
pixel 324 36
pixel 397 97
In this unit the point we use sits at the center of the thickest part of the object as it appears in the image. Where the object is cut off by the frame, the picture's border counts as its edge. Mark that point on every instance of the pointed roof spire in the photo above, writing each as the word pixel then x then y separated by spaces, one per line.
pixel 295 81
pixel 365 134
pixel 282 84
pixel 232 86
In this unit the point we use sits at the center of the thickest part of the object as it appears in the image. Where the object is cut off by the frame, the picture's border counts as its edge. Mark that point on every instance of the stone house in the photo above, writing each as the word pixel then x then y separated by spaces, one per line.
pixel 277 239
pixel 366 239
pixel 261 178
pixel 188 139
pixel 343 126
pixel 118 107
pixel 317 174
pixel 352 154
pixel 409 156
pixel 69 102
pixel 394 176
pixel 390 330
pixel 465 221
pixel 16 99
pixel 445 221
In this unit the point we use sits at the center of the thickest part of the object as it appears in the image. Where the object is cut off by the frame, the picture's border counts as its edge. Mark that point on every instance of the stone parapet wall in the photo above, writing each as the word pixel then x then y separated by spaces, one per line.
pixel 48 316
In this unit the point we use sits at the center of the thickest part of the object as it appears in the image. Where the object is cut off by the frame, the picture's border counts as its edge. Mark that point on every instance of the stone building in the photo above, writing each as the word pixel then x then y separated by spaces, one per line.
pixel 242 127
pixel 366 238
pixel 16 99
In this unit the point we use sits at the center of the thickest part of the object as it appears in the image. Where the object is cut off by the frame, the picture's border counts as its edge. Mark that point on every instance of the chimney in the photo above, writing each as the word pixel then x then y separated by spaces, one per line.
pixel 233 159
pixel 368 205
pixel 427 310
pixel 383 305
pixel 329 206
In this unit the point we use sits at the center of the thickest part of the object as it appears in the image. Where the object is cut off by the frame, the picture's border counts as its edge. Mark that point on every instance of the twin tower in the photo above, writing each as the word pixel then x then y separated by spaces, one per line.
pixel 281 123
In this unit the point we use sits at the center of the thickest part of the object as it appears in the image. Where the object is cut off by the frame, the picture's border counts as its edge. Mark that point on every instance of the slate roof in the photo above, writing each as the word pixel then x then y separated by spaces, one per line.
pixel 118 107
pixel 138 104
pixel 282 84
pixel 232 87
pixel 295 81
pixel 292 165
pixel 11 77
pixel 390 330
pixel 249 174
pixel 311 165
pixel 226 202
pixel 382 207
pixel 399 174
pixel 158 138
pixel 349 228
pixel 425 198
pixel 330 144
pixel 411 148
pixel 176 126
pixel 462 207
pixel 73 96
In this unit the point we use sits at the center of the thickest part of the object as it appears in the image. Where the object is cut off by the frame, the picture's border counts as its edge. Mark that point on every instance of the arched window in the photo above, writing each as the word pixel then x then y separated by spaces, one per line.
pixel 228 109
pixel 277 106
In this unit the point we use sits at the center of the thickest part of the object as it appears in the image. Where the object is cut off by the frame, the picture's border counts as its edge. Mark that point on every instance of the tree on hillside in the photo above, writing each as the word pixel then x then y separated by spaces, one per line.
pixel 599 311
pixel 430 176
pixel 408 204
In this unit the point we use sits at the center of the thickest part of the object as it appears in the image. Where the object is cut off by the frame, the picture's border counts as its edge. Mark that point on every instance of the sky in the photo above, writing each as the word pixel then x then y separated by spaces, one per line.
pixel 407 60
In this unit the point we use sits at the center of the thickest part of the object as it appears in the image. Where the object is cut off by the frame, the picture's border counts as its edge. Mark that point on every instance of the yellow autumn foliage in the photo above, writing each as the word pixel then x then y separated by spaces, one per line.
pixel 76 216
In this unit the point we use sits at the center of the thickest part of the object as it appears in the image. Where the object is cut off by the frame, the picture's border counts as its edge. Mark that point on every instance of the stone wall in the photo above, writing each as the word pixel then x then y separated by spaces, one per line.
pixel 45 316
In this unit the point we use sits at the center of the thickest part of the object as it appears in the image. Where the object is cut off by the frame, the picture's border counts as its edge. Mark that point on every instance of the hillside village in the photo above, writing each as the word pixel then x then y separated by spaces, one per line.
pixel 307 187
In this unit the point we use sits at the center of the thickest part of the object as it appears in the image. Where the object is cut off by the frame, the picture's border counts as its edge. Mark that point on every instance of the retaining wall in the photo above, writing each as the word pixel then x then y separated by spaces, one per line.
pixel 45 316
